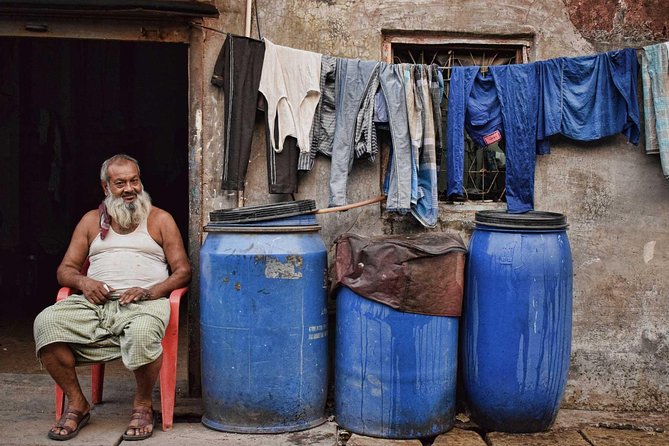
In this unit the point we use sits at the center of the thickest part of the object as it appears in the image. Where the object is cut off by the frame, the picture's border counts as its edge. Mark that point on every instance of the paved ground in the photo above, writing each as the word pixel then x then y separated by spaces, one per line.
pixel 27 412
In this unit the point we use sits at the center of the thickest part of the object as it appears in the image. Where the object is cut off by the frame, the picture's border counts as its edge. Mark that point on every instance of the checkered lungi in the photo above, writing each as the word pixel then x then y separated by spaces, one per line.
pixel 99 333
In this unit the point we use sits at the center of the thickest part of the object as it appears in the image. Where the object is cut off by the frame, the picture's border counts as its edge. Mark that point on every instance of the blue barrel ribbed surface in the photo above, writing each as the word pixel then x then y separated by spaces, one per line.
pixel 395 372
pixel 517 315
pixel 263 316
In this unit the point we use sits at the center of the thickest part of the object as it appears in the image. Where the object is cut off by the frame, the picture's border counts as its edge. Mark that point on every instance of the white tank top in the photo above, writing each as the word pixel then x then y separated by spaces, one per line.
pixel 124 261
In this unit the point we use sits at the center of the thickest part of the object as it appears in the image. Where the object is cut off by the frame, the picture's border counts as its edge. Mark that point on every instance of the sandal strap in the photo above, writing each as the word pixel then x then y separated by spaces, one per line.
pixel 143 417
pixel 138 416
pixel 70 414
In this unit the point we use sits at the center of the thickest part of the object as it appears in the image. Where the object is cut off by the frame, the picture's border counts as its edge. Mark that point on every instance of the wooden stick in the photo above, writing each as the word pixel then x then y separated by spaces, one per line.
pixel 351 206
pixel 247 27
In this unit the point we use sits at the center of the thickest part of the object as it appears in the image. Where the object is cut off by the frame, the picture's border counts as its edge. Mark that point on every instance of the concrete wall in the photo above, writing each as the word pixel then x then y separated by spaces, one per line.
pixel 614 195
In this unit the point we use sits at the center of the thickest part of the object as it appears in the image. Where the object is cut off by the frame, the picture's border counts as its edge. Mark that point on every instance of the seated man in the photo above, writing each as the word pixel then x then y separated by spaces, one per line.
pixel 136 258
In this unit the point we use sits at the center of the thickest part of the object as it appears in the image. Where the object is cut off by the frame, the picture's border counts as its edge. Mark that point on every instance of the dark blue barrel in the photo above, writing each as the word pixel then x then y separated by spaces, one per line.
pixel 395 372
pixel 517 320
pixel 263 316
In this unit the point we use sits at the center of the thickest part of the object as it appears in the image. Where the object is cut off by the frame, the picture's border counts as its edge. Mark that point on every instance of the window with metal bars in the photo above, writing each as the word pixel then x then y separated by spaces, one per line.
pixel 484 169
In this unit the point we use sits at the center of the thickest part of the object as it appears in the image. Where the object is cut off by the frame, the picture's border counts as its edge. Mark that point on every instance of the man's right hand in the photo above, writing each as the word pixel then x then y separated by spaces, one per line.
pixel 96 292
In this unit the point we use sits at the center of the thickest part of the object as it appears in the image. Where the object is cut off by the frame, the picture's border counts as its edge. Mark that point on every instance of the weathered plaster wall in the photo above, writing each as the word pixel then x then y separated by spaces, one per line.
pixel 617 202
pixel 611 22
pixel 614 196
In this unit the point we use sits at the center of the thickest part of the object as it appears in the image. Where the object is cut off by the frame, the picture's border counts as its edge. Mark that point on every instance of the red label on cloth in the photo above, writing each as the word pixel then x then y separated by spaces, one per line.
pixel 493 137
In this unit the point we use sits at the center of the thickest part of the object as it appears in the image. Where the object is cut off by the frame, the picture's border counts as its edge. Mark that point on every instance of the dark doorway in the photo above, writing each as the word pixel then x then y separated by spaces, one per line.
pixel 65 106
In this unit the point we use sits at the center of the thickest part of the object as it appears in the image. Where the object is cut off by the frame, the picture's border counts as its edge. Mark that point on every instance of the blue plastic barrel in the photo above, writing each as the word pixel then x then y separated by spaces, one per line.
pixel 263 319
pixel 395 372
pixel 517 320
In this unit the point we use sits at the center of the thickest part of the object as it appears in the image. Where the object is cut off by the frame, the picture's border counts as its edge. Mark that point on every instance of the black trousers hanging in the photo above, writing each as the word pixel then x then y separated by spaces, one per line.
pixel 237 72
pixel 281 166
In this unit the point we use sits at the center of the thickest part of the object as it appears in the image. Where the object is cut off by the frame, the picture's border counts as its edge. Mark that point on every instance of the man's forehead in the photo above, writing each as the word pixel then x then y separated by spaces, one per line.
pixel 122 168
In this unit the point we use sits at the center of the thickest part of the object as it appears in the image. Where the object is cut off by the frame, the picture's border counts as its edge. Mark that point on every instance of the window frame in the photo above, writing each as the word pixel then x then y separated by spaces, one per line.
pixel 524 43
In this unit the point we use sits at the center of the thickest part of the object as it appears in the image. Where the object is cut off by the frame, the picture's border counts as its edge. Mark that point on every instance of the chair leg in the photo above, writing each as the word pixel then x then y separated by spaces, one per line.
pixel 168 384
pixel 60 402
pixel 167 397
pixel 97 382
pixel 168 370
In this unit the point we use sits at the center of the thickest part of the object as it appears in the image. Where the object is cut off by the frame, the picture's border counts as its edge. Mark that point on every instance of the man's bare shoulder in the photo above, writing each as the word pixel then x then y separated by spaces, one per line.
pixel 161 224
pixel 91 219
pixel 160 216
pixel 89 225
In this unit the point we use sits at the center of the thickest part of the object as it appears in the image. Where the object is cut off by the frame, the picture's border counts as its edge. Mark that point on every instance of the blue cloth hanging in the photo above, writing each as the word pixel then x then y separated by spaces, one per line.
pixel 484 113
pixel 517 87
pixel 589 97
pixel 462 81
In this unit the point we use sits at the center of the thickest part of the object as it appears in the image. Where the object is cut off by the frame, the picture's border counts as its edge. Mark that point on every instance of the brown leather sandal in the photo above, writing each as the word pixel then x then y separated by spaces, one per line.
pixel 80 419
pixel 141 417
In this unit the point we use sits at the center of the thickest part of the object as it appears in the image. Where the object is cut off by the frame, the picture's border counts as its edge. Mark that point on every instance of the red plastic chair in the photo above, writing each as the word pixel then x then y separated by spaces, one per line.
pixel 168 370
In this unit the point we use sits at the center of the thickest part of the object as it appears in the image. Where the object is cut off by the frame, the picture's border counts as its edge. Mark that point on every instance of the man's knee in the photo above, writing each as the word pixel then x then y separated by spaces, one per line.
pixel 44 315
pixel 59 352
pixel 141 341
pixel 45 322
pixel 145 329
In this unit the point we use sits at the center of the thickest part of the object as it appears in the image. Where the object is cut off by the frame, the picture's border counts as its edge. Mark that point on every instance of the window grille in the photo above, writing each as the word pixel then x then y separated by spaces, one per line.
pixel 484 169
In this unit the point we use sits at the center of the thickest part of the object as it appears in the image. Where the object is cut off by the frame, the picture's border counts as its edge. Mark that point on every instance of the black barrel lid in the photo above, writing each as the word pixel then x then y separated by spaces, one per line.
pixel 263 212
pixel 537 220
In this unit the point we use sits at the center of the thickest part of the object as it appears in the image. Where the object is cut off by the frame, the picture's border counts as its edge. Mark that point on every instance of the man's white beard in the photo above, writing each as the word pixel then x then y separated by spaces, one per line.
pixel 128 215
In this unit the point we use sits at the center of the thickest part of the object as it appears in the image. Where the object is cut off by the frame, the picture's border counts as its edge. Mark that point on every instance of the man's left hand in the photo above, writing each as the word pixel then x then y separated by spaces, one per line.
pixel 134 294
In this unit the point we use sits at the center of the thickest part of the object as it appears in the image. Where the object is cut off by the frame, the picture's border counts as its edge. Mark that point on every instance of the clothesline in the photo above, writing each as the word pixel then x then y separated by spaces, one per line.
pixel 584 98
pixel 442 68
pixel 225 33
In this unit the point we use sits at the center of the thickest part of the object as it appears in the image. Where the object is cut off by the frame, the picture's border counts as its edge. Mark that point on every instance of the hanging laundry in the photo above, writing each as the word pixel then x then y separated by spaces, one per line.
pixel 290 81
pixel 397 181
pixel 517 87
pixel 414 114
pixel 505 103
pixel 583 98
pixel 321 104
pixel 323 127
pixel 648 105
pixel 436 81
pixel 413 166
pixel 589 97
pixel 655 78
pixel 380 108
pixel 353 81
pixel 281 166
pixel 237 73
pixel 460 88
pixel 366 145
pixel 483 115
pixel 426 206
